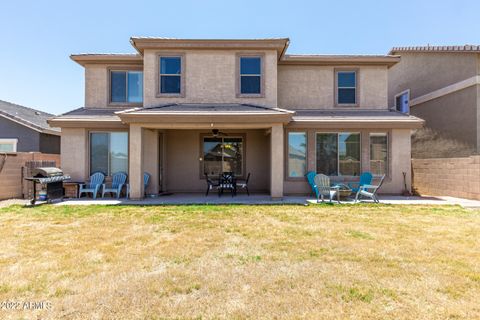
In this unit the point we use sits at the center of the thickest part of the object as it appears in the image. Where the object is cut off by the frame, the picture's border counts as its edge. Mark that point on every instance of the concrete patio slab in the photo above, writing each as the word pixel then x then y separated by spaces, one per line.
pixel 262 199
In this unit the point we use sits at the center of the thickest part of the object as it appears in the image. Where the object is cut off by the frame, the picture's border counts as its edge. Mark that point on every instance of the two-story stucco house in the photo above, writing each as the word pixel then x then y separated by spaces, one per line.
pixel 180 109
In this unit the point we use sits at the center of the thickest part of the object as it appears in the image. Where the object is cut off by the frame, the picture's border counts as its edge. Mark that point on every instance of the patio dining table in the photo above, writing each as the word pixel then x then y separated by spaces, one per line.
pixel 227 181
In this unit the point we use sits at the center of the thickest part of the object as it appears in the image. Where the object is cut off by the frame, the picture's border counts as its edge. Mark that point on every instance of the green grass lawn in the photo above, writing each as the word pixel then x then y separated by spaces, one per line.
pixel 202 262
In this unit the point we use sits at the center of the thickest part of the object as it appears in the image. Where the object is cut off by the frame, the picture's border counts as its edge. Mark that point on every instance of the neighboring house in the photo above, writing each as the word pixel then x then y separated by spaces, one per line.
pixel 180 109
pixel 24 129
pixel 440 84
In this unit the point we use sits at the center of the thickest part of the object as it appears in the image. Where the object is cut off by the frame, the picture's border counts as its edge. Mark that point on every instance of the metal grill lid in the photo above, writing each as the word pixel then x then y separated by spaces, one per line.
pixel 46 172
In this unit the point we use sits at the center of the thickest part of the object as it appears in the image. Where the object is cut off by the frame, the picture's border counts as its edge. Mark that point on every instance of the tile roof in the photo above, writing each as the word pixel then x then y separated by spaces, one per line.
pixel 200 108
pixel 353 115
pixel 90 112
pixel 458 48
pixel 34 119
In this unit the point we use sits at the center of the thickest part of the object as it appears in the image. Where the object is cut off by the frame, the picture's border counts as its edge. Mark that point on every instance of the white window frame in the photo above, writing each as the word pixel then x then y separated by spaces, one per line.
pixel 12 141
pixel 407 92
pixel 338 152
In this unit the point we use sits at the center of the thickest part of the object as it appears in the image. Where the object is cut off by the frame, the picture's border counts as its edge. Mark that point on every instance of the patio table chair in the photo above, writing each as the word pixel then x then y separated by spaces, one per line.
pixel 369 191
pixel 227 182
pixel 310 178
pixel 118 181
pixel 243 184
pixel 146 181
pixel 94 185
pixel 322 183
pixel 210 184
pixel 365 179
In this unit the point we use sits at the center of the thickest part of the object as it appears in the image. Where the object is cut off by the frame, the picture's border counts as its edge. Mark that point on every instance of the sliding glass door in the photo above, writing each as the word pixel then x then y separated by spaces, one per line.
pixel 338 154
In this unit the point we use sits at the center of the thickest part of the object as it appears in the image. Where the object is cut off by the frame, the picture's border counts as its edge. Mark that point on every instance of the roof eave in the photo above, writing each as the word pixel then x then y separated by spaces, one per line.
pixel 389 60
pixel 280 44
pixel 86 122
pixel 123 59
pixel 175 117
pixel 360 123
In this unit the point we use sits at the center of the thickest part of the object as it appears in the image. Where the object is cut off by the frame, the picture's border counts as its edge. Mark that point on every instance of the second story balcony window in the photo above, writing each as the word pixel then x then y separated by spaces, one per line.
pixel 126 86
pixel 171 70
pixel 250 81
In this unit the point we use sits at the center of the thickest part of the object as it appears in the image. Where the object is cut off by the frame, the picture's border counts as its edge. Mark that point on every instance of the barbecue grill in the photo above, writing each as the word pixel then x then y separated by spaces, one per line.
pixel 50 177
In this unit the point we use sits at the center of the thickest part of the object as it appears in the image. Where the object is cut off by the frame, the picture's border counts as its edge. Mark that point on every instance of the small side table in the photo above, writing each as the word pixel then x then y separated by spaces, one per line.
pixel 71 189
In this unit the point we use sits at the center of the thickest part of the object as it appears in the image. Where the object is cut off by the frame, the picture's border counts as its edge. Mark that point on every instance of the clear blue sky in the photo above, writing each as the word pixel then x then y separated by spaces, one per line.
pixel 37 37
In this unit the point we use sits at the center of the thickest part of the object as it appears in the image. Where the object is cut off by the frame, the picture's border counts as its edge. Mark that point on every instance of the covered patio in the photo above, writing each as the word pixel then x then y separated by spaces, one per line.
pixel 170 143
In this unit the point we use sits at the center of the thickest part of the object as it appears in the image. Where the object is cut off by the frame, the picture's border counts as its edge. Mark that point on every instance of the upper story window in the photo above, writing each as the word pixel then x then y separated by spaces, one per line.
pixel 126 86
pixel 171 75
pixel 251 76
pixel 402 101
pixel 346 87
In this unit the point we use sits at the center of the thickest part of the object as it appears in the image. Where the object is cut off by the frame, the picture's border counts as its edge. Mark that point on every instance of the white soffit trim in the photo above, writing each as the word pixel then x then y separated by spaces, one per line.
pixel 446 90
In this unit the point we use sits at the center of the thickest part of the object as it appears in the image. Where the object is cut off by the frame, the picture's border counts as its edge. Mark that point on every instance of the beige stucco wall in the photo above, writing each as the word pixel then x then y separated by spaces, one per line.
pixel 423 73
pixel 74 153
pixel 210 77
pixel 182 153
pixel 400 151
pixel 313 87
pixel 96 91
pixel 453 115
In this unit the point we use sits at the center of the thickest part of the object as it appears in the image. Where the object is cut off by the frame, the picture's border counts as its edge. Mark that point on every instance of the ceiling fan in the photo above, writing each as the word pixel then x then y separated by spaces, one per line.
pixel 217 133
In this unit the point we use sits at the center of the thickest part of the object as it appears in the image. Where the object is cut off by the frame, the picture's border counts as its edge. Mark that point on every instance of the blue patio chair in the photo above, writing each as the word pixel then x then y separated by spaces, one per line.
pixel 118 181
pixel 96 181
pixel 310 178
pixel 369 191
pixel 365 179
pixel 146 180
pixel 322 183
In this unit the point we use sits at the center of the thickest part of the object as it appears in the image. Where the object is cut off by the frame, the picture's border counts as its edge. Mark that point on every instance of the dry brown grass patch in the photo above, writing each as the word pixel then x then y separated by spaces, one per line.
pixel 362 262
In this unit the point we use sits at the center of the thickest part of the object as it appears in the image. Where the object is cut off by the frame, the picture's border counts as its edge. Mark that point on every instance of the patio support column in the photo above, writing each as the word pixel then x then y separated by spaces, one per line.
pixel 365 151
pixel 150 159
pixel 276 161
pixel 135 166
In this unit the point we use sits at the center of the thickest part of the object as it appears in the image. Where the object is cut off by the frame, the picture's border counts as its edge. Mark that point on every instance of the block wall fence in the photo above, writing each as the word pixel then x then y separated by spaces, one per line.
pixel 455 177
pixel 12 184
